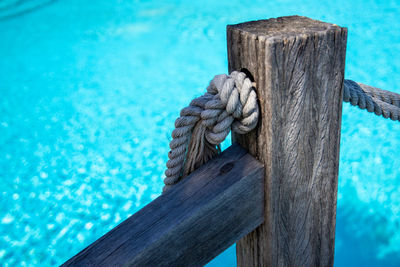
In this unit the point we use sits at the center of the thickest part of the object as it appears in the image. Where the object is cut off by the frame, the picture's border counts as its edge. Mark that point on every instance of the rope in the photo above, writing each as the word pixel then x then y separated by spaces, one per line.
pixel 378 101
pixel 229 103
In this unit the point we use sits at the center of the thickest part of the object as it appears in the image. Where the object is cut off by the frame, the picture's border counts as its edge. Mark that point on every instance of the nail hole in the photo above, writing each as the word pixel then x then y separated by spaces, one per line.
pixel 226 168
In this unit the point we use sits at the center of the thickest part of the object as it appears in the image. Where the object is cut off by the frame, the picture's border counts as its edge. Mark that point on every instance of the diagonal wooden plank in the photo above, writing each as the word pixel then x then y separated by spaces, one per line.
pixel 192 222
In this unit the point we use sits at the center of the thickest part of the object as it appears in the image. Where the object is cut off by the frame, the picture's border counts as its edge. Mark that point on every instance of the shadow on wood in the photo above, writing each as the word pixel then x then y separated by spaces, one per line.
pixel 192 222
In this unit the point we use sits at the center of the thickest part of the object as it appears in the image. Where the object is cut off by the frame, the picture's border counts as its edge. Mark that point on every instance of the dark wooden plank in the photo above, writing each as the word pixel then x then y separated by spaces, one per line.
pixel 192 222
pixel 298 66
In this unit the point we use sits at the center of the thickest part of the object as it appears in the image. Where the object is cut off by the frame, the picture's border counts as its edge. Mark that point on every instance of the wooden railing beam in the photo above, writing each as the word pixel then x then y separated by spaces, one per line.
pixel 192 222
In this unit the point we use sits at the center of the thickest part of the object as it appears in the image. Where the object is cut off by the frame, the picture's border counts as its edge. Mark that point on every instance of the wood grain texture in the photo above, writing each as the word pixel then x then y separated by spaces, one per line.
pixel 298 66
pixel 192 222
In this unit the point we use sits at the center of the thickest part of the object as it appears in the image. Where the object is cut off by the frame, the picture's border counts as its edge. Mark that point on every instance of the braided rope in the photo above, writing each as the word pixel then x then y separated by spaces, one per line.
pixel 378 101
pixel 230 103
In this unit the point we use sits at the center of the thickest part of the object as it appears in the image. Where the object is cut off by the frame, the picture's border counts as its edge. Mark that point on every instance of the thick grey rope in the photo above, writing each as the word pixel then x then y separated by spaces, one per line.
pixel 378 101
pixel 230 103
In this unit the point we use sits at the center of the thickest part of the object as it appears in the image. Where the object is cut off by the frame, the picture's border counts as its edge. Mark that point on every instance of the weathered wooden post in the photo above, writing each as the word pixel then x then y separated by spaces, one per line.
pixel 298 66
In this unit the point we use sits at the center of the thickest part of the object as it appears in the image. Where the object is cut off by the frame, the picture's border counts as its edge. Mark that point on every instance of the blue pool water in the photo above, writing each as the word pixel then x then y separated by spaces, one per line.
pixel 79 79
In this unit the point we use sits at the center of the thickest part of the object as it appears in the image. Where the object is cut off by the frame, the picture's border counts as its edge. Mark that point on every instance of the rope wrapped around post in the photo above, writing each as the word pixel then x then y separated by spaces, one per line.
pixel 229 103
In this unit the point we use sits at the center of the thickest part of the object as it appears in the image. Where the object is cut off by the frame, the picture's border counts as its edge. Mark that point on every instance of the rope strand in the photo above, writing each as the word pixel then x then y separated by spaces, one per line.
pixel 378 101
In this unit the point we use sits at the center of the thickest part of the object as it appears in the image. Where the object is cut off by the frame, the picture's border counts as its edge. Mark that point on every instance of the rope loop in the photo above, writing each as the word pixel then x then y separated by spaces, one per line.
pixel 230 103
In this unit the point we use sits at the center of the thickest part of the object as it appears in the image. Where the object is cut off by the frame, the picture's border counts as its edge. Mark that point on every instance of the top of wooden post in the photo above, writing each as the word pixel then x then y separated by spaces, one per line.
pixel 289 26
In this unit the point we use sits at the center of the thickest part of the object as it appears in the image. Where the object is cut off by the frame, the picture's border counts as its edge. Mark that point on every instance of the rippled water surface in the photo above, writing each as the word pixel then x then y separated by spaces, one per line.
pixel 89 91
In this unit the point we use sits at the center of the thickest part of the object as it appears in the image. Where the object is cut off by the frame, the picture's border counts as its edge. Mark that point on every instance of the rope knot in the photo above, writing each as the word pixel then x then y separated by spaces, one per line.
pixel 230 103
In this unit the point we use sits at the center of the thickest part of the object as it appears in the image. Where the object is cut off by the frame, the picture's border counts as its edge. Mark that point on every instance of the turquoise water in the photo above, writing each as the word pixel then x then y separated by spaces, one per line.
pixel 79 79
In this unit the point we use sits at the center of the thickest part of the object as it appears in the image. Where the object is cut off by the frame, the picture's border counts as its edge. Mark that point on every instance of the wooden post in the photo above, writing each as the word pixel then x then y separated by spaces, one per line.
pixel 298 66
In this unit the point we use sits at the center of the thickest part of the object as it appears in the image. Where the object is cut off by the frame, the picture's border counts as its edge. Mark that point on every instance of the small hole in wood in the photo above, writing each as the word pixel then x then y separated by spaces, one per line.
pixel 248 74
